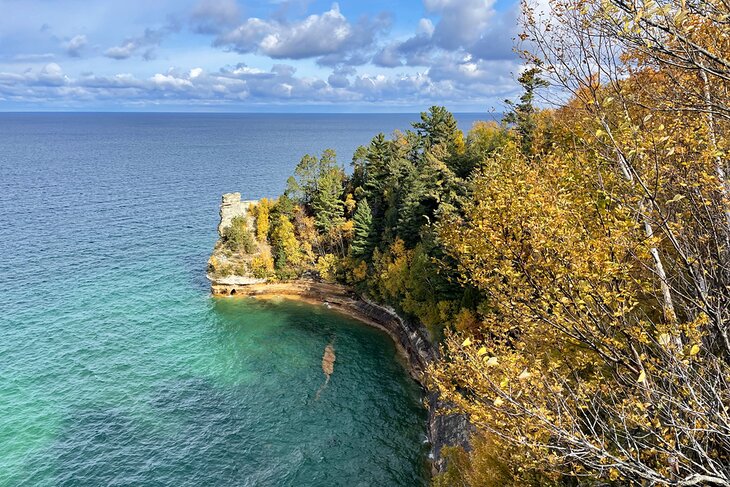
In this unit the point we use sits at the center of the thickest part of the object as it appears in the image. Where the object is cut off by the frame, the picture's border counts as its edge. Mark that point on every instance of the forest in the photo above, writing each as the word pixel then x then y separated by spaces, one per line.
pixel 570 259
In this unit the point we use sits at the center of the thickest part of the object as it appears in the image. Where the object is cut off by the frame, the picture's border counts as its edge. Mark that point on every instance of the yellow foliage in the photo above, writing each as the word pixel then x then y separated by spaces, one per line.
pixel 262 266
pixel 350 204
pixel 459 144
pixel 566 269
pixel 465 321
pixel 360 271
pixel 346 229
pixel 261 212
pixel 286 243
pixel 490 463
pixel 327 266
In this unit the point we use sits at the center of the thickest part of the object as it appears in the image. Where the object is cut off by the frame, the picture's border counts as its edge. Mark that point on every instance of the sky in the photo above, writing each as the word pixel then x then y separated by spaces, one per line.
pixel 256 56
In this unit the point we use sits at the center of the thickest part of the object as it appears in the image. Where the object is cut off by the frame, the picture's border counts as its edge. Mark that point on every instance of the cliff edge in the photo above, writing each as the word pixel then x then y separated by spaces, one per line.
pixel 232 265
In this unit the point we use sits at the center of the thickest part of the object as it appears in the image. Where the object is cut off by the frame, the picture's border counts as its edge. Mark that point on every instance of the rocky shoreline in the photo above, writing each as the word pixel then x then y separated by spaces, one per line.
pixel 410 339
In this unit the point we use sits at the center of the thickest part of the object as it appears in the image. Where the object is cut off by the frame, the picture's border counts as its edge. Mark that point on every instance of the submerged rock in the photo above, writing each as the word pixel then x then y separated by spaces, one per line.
pixel 328 361
pixel 328 366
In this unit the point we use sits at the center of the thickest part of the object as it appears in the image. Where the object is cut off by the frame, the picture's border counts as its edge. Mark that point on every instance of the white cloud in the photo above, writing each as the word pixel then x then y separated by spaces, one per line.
pixel 425 26
pixel 462 22
pixel 147 42
pixel 170 81
pixel 449 80
pixel 463 27
pixel 52 74
pixel 338 57
pixel 74 45
pixel 121 52
pixel 318 35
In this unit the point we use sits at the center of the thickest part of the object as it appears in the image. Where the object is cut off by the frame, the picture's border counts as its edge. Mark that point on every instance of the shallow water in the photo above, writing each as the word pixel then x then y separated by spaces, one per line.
pixel 117 367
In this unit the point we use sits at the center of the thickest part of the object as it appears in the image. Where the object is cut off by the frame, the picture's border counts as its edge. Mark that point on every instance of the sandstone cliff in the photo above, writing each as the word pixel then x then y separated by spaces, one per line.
pixel 233 267
pixel 231 207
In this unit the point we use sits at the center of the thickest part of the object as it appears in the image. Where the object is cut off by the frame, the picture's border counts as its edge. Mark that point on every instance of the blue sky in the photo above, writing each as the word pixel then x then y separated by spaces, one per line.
pixel 243 55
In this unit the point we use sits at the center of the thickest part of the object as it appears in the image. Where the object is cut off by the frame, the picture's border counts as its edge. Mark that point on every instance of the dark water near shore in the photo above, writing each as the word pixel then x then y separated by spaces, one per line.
pixel 116 365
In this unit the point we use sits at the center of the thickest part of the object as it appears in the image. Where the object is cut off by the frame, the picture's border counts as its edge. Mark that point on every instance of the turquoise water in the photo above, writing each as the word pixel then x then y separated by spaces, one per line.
pixel 210 392
pixel 116 365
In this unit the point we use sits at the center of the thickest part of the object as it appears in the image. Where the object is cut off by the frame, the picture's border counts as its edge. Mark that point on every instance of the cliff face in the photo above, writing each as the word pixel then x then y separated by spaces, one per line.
pixel 225 267
pixel 411 339
pixel 231 207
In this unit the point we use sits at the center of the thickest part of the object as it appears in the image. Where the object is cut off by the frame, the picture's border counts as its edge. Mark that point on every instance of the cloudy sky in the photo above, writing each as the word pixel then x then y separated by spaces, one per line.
pixel 245 55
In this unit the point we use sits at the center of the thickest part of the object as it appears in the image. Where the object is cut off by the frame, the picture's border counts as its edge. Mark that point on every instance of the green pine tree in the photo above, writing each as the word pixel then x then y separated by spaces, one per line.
pixel 362 242
pixel 327 203
pixel 522 114
pixel 438 126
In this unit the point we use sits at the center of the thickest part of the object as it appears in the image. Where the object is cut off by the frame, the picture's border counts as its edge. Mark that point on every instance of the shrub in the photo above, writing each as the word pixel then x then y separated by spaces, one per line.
pixel 262 266
pixel 238 237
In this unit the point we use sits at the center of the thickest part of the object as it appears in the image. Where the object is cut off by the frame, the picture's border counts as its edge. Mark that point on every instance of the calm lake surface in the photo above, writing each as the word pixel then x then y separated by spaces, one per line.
pixel 117 367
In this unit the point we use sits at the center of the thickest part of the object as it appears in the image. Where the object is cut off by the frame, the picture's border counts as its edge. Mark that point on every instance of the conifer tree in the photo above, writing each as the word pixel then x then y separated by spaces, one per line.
pixel 362 244
pixel 327 204
pixel 522 114
pixel 438 126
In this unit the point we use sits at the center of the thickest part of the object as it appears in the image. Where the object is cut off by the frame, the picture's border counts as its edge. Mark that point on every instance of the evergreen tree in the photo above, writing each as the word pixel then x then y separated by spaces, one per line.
pixel 327 203
pixel 318 185
pixel 522 114
pixel 438 131
pixel 304 185
pixel 438 126
pixel 376 162
pixel 426 190
pixel 362 244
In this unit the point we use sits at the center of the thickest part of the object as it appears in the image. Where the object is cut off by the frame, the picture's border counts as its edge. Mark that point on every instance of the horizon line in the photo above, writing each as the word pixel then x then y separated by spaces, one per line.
pixel 16 112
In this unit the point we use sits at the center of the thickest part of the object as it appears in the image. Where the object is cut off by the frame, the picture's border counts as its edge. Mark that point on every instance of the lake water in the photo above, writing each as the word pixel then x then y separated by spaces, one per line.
pixel 117 367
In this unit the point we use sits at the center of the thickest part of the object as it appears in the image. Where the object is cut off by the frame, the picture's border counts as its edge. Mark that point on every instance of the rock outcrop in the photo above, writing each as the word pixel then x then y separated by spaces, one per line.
pixel 228 267
pixel 231 207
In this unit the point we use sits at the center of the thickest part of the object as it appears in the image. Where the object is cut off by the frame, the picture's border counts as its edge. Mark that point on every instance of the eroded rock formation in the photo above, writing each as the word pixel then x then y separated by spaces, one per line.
pixel 226 268
pixel 231 207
